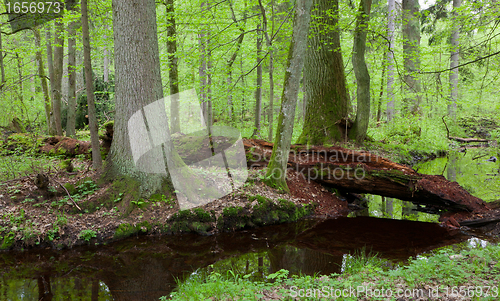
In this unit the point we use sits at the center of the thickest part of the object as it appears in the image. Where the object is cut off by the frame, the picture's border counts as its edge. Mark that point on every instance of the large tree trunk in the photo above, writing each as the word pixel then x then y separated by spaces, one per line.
pixel 328 104
pixel 360 126
pixel 58 76
pixel 137 84
pixel 173 72
pixel 454 59
pixel 94 135
pixel 411 54
pixel 276 171
pixel 71 118
pixel 43 81
pixel 391 19
pixel 50 66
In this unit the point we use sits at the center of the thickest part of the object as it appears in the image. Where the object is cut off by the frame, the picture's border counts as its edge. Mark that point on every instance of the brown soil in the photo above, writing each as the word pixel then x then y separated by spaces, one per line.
pixel 42 211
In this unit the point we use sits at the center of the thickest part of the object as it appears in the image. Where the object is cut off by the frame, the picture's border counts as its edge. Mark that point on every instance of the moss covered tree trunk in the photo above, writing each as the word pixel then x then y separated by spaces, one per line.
pixel 360 125
pixel 325 86
pixel 43 81
pixel 276 172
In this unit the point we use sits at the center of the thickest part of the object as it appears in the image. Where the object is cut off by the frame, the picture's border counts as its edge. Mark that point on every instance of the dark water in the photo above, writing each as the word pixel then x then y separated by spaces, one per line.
pixel 146 268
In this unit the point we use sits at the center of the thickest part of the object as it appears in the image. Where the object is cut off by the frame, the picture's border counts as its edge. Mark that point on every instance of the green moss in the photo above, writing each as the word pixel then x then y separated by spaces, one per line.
pixel 124 230
pixel 70 187
pixel 196 220
pixel 8 241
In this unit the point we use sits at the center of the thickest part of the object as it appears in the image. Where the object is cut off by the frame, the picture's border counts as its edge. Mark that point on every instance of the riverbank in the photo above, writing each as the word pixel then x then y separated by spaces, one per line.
pixel 433 276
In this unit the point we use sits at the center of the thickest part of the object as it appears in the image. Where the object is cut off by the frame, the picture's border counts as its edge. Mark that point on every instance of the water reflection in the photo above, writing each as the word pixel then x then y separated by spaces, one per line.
pixel 147 268
pixel 471 168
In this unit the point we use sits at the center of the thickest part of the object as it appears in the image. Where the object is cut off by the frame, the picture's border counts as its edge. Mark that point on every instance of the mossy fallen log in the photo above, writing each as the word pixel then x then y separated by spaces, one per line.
pixel 363 172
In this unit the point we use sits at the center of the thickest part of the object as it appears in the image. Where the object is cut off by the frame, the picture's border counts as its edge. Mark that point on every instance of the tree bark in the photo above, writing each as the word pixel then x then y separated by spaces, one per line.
pixel 391 19
pixel 411 54
pixel 232 59
pixel 2 66
pixel 173 72
pixel 137 84
pixel 94 135
pixel 258 89
pixel 454 61
pixel 71 118
pixel 363 172
pixel 325 87
pixel 58 75
pixel 43 82
pixel 360 126
pixel 50 65
pixel 276 171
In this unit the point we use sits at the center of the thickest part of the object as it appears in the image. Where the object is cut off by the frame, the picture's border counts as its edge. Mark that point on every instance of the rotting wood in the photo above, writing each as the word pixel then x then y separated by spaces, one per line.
pixel 363 172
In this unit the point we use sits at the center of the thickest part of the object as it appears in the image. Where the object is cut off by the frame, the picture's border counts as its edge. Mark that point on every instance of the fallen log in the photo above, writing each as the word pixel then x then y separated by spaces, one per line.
pixel 363 172
pixel 468 140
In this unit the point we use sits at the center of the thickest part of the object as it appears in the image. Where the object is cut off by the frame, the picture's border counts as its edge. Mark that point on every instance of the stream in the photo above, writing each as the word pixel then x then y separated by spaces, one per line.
pixel 147 267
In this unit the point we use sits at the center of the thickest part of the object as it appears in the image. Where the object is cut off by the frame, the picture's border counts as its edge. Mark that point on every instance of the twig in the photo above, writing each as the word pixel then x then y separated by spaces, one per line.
pixel 447 130
pixel 68 194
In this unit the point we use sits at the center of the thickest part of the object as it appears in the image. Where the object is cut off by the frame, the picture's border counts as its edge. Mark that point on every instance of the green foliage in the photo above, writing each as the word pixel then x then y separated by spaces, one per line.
pixel 87 234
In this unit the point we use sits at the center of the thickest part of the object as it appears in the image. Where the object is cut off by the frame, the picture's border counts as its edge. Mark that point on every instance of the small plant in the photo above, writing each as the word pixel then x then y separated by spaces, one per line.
pixel 87 234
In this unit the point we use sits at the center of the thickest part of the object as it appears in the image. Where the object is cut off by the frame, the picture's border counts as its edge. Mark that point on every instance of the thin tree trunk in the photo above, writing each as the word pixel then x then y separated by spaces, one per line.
pixel 276 171
pixel 2 67
pixel 94 135
pixel 173 69
pixel 50 65
pixel 105 62
pixel 58 75
pixel 391 105
pixel 20 75
pixel 230 62
pixel 454 61
pixel 43 81
pixel 258 90
pixel 381 94
pixel 271 95
pixel 71 118
pixel 269 44
pixel 360 126
pixel 411 54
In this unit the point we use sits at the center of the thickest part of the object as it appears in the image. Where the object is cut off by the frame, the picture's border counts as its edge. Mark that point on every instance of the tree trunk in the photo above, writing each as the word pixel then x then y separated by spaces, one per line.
pixel 21 87
pixel 360 126
pixel 276 171
pixel 411 54
pixel 325 87
pixel 230 62
pixel 138 83
pixel 271 95
pixel 391 104
pixel 105 63
pixel 50 65
pixel 173 72
pixel 43 82
pixel 2 67
pixel 258 90
pixel 71 118
pixel 454 60
pixel 58 75
pixel 94 135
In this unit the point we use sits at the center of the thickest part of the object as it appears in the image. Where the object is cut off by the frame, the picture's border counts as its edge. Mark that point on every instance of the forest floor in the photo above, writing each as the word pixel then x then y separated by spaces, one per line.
pixel 32 218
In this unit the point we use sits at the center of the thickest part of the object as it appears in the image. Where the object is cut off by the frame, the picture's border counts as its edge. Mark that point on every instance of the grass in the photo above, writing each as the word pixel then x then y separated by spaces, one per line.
pixel 472 272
